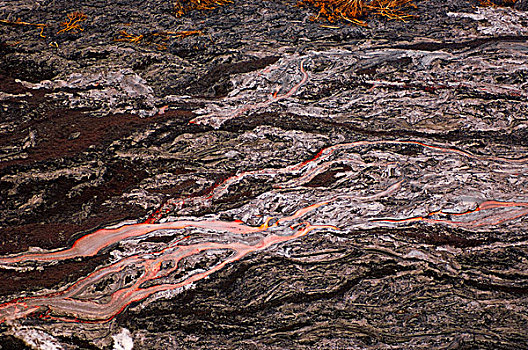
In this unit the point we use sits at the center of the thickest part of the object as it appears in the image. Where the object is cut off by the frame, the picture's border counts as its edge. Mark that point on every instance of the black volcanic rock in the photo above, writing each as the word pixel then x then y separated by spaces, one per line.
pixel 391 162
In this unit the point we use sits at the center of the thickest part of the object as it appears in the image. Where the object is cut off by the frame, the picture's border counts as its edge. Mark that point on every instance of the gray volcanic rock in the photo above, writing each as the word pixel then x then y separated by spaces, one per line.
pixel 248 178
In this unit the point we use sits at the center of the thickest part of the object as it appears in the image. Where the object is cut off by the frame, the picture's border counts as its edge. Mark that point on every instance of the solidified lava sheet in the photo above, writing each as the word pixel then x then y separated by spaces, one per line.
pixel 251 175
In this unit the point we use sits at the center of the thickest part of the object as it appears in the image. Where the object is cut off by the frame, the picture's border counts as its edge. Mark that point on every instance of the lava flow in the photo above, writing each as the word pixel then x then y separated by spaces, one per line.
pixel 72 304
pixel 390 179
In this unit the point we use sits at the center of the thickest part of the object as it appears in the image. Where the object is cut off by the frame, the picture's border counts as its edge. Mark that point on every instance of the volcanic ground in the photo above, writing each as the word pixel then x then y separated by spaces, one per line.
pixel 248 177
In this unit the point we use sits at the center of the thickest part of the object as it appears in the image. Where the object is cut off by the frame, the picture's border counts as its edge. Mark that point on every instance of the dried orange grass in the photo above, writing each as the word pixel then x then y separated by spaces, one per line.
pixel 355 11
pixel 72 22
pixel 335 10
pixel 392 9
pixel 21 23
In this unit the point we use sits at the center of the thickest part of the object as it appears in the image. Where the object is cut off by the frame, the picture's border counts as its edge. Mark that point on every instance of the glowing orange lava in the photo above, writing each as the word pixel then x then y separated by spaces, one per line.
pixel 76 304
pixel 66 305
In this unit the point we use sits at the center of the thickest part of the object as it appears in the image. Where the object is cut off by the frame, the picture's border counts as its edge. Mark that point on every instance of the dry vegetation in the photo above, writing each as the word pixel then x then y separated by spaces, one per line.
pixel 72 22
pixel 18 22
pixel 356 11
pixel 351 11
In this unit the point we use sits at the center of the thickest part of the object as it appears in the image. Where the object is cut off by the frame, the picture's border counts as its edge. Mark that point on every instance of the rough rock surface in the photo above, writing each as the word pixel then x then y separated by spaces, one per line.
pixel 286 183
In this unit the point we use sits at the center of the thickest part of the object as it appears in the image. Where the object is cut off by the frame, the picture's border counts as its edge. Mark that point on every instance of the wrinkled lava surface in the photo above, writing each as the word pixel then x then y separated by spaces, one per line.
pixel 268 183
